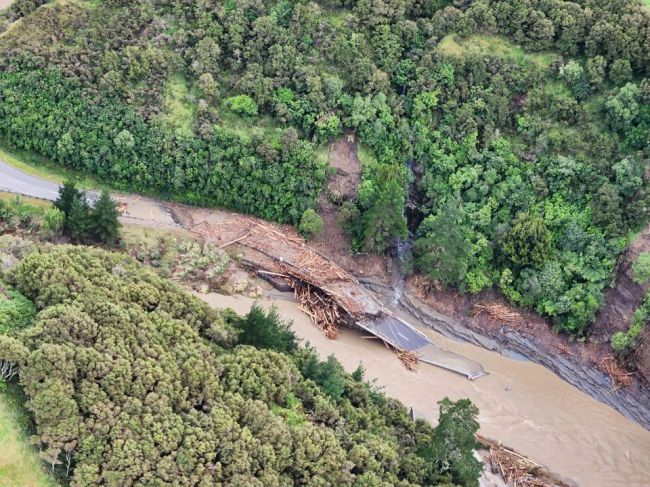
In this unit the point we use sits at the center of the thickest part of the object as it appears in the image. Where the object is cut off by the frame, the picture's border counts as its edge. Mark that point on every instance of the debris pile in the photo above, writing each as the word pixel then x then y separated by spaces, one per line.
pixel 283 251
pixel 408 358
pixel 619 376
pixel 500 312
pixel 323 310
pixel 516 469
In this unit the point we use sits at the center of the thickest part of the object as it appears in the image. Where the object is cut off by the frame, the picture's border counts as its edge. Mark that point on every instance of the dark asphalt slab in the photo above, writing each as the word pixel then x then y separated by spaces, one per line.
pixel 397 333
pixel 16 181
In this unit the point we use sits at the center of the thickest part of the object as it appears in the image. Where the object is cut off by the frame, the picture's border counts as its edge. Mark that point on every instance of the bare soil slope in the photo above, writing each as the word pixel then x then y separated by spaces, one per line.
pixel 622 299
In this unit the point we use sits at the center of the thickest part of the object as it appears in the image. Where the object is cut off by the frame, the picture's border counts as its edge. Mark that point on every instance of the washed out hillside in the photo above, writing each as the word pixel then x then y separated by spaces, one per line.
pixel 479 167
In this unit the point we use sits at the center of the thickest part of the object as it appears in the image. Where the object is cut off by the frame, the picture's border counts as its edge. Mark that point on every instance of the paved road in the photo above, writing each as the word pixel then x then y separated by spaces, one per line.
pixel 403 336
pixel 18 182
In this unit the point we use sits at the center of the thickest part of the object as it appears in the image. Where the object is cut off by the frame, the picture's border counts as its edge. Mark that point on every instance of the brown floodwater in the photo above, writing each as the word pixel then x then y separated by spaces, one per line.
pixel 522 404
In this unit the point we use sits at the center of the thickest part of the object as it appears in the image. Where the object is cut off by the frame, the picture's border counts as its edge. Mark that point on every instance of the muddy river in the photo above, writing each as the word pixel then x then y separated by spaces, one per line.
pixel 522 404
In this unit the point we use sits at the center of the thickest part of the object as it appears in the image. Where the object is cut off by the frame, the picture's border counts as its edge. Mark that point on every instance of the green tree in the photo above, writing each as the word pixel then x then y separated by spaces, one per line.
pixel 328 127
pixel 442 250
pixel 266 330
pixel 457 426
pixel 596 70
pixel 104 223
pixel 124 141
pixel 329 375
pixel 571 72
pixel 623 108
pixel 68 193
pixel 528 242
pixel 78 220
pixel 383 217
pixel 311 224
pixel 620 71
pixel 242 105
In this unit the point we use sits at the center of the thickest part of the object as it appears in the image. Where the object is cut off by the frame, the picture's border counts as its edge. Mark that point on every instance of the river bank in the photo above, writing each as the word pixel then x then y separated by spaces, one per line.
pixel 571 362
pixel 521 403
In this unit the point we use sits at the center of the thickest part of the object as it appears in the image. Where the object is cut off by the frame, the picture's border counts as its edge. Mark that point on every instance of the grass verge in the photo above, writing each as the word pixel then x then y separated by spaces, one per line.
pixel 453 45
pixel 43 168
pixel 20 465
pixel 37 206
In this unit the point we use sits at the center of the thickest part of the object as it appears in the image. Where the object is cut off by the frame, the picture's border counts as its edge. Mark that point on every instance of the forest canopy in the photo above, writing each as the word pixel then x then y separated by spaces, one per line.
pixel 133 381
pixel 522 124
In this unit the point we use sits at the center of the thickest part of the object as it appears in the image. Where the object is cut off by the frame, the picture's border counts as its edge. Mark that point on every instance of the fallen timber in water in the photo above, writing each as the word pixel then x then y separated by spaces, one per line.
pixel 330 295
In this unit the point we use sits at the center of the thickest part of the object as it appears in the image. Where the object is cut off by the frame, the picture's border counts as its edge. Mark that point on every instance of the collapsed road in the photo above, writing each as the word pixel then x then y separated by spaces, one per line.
pixel 286 255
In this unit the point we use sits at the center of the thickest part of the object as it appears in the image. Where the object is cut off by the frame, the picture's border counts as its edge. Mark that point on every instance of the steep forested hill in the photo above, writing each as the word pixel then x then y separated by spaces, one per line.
pixel 518 130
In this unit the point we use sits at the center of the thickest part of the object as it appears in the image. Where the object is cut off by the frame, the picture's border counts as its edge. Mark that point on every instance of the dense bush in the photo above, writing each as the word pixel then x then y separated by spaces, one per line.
pixel 132 381
pixel 311 224
pixel 16 311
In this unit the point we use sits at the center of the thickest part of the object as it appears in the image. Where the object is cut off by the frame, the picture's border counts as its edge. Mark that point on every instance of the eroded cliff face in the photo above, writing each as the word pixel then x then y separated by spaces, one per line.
pixel 622 299
pixel 543 349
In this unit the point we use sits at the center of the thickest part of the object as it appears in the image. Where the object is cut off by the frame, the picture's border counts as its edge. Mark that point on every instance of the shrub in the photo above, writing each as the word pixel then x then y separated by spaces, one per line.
pixel 53 220
pixel 7 215
pixel 199 262
pixel 620 342
pixel 242 105
pixel 641 268
pixel 311 224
